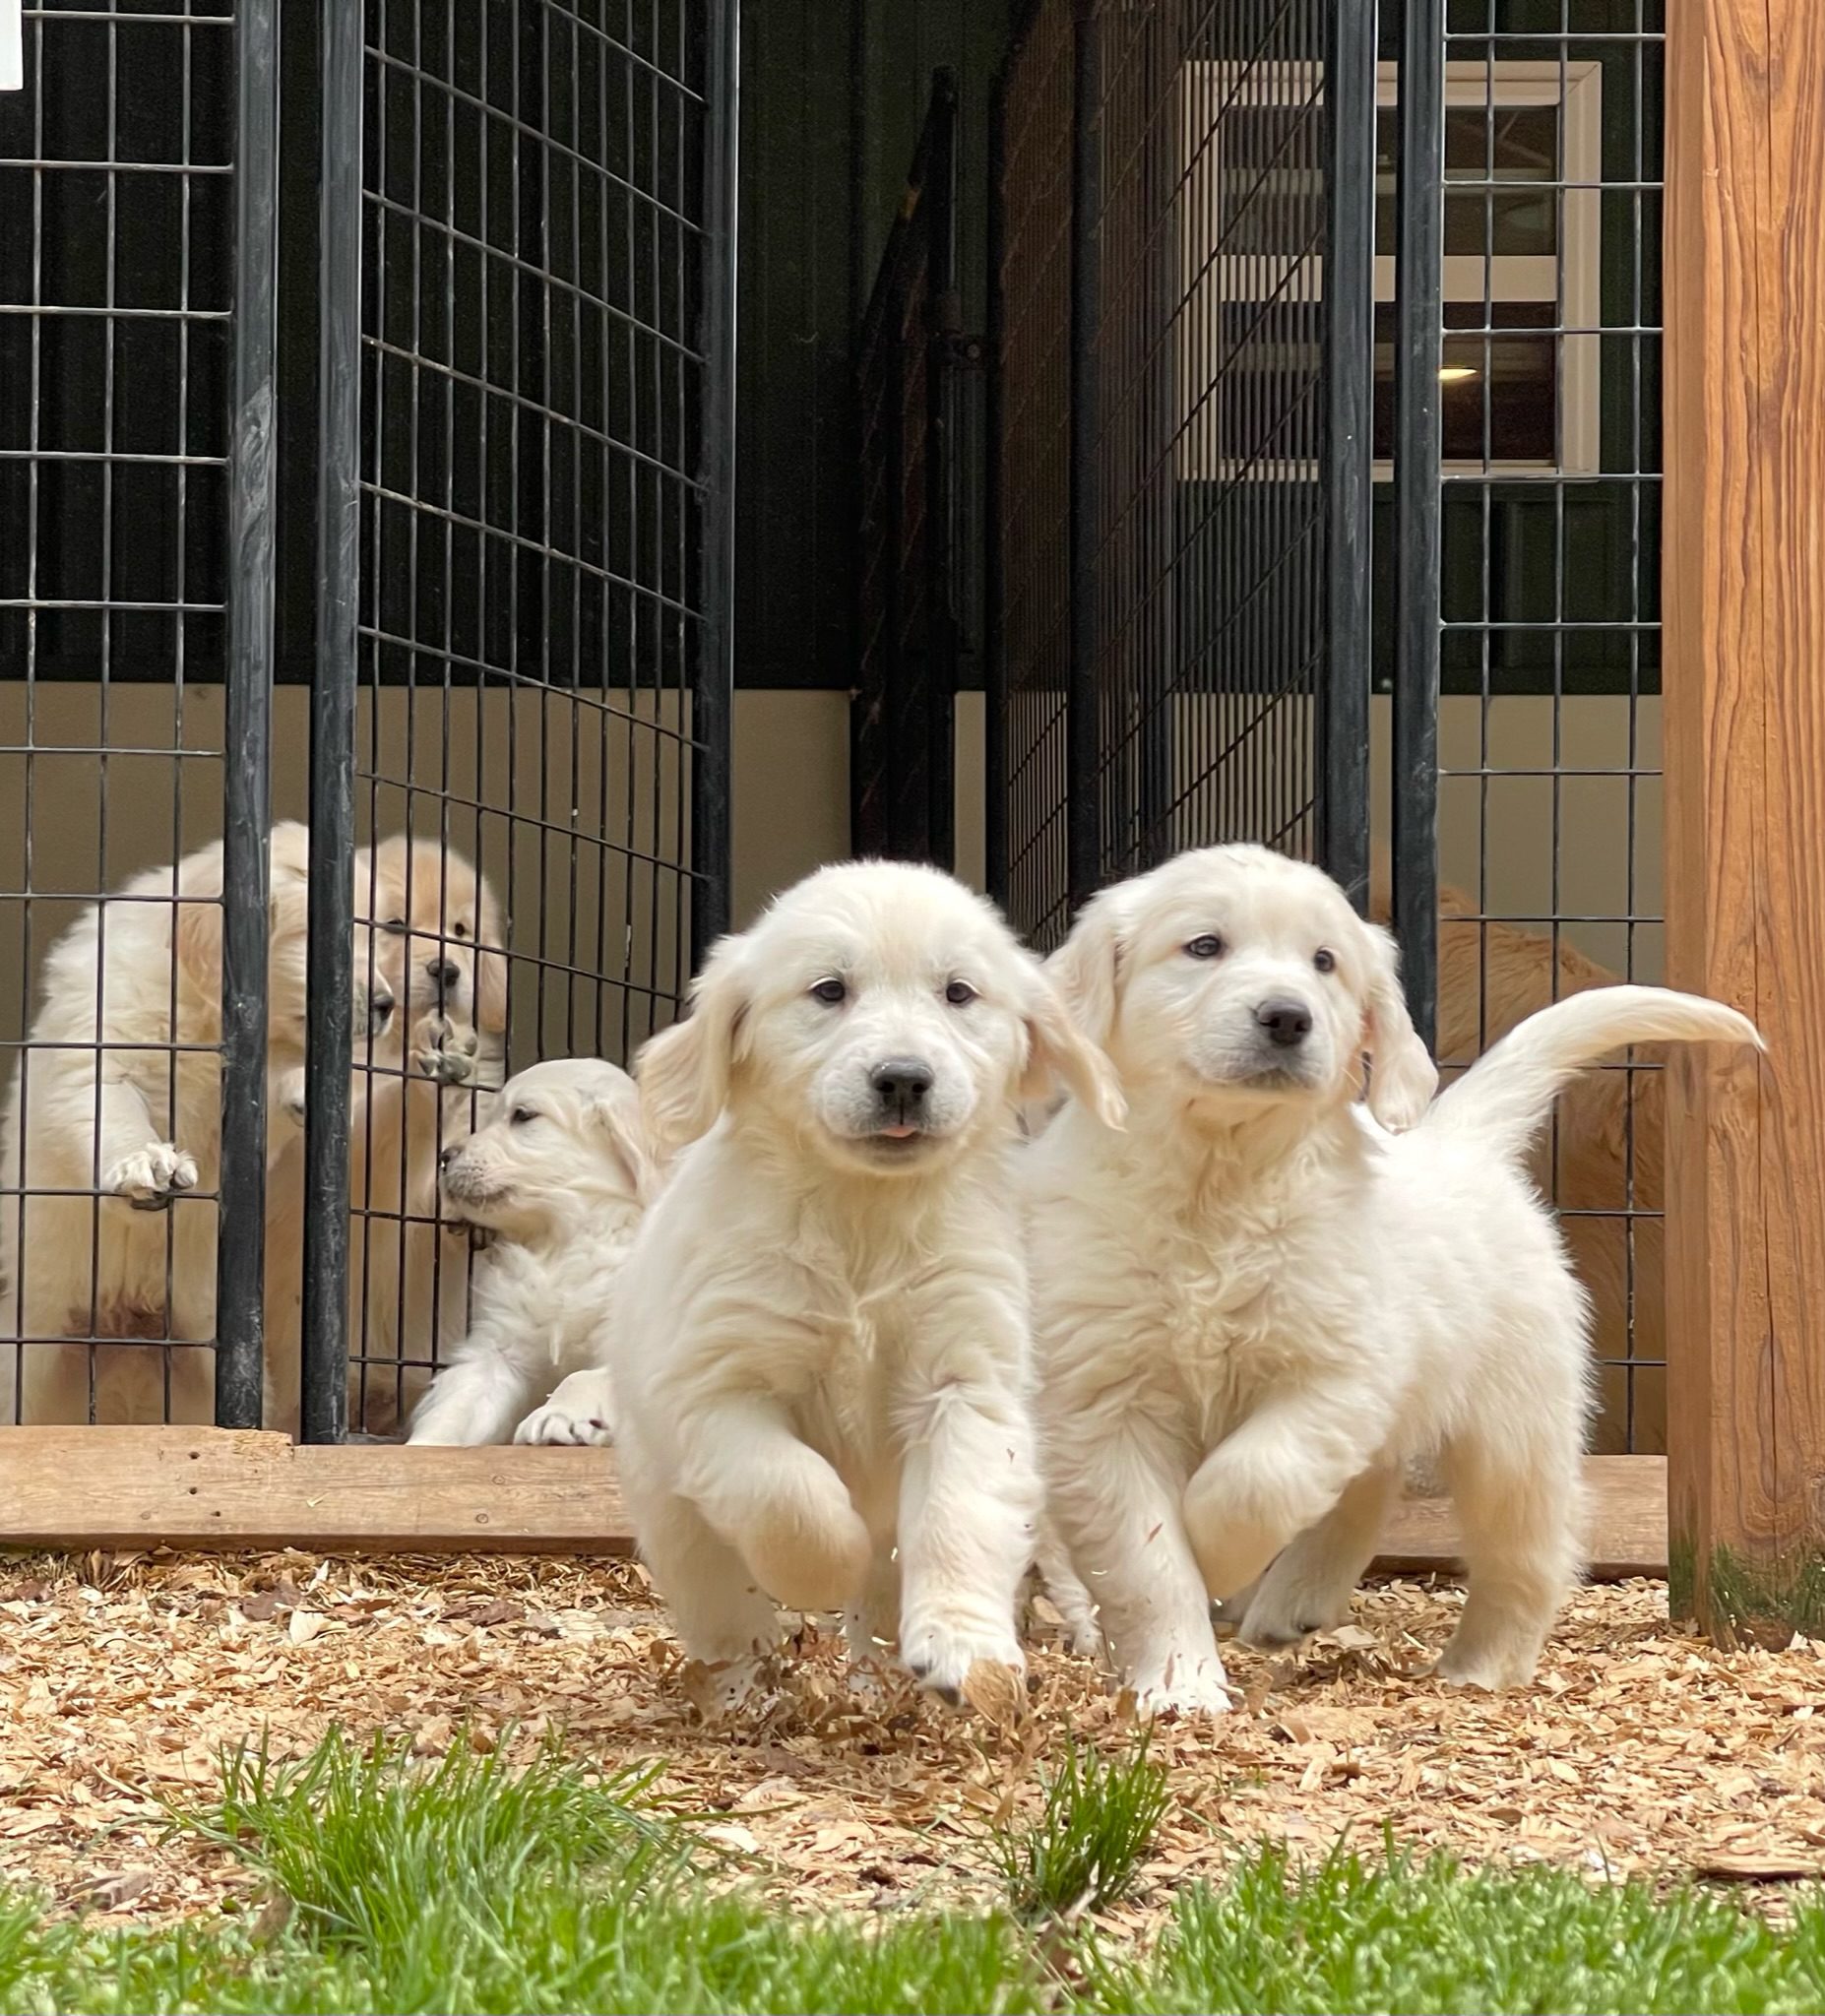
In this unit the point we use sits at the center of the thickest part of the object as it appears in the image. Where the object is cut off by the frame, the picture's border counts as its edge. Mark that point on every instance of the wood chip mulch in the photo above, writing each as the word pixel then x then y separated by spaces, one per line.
pixel 1640 1749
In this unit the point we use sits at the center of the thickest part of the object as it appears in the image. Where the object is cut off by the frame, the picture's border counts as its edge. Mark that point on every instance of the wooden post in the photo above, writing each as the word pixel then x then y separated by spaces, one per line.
pixel 1744 716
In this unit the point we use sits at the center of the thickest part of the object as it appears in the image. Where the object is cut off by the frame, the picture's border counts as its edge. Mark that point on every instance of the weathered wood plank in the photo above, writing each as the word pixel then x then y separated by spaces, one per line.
pixel 224 1487
pixel 1744 722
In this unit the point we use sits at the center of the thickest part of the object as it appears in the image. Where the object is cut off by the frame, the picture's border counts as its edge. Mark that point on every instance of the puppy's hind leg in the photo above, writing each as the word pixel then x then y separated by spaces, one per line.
pixel 1517 1506
pixel 1309 1586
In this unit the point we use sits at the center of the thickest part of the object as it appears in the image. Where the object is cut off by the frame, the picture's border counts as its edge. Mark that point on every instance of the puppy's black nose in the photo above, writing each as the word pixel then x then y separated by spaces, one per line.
pixel 902 1083
pixel 1288 1022
pixel 446 973
pixel 445 1155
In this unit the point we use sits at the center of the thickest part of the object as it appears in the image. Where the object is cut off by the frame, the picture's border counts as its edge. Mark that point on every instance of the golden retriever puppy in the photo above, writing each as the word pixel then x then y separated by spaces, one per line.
pixel 1257 1306
pixel 112 1128
pixel 1492 976
pixel 557 1178
pixel 819 1349
pixel 433 932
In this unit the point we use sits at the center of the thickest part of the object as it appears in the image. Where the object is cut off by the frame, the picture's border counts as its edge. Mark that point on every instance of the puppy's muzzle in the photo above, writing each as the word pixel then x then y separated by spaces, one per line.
pixel 446 977
pixel 380 1006
pixel 901 1085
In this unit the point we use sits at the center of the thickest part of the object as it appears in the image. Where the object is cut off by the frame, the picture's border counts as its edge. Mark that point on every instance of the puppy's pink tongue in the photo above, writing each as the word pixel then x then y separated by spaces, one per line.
pixel 900 1133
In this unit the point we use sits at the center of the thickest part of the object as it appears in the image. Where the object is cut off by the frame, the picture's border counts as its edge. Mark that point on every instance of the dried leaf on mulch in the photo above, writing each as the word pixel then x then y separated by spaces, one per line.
pixel 123 1677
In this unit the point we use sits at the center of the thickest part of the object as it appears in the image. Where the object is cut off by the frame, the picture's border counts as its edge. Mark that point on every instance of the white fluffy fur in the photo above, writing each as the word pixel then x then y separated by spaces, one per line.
pixel 820 1350
pixel 138 1121
pixel 558 1177
pixel 1257 1305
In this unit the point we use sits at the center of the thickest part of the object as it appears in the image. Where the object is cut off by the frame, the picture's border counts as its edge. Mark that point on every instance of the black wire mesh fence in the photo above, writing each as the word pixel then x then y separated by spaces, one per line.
pixel 1544 150
pixel 136 415
pixel 912 362
pixel 1181 653
pixel 1207 222
pixel 495 289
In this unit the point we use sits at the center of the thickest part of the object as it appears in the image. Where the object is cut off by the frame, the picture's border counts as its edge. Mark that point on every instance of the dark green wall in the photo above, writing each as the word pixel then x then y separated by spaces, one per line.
pixel 832 95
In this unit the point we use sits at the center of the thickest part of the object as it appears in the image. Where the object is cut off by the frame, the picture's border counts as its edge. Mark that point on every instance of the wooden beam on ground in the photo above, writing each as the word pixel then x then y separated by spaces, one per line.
pixel 1744 728
pixel 232 1487
pixel 1625 1533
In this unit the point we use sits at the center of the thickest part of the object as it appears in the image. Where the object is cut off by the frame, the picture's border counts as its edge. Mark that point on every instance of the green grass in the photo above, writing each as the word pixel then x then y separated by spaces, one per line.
pixel 1092 1835
pixel 462 1886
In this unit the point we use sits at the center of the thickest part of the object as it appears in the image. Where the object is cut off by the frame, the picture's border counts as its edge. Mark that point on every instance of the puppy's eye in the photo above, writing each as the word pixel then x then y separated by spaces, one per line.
pixel 1209 946
pixel 522 1116
pixel 832 992
pixel 396 925
pixel 960 993
pixel 1325 960
pixel 458 929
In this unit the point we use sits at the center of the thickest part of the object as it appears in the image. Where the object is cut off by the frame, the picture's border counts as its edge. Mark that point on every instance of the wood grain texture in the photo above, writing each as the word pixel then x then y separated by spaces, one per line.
pixel 1744 715
pixel 227 1488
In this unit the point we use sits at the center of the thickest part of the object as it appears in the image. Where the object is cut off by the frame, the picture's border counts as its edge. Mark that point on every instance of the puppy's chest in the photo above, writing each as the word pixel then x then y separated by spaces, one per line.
pixel 1221 1308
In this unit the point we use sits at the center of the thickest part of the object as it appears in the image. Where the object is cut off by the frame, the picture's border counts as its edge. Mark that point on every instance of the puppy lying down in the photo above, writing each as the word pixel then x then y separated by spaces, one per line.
pixel 1256 1305
pixel 820 1351
pixel 559 1175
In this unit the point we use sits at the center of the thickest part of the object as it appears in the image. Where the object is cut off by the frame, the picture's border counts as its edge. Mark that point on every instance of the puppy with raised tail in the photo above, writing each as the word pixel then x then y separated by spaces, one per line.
pixel 1256 1307
pixel 559 1175
pixel 820 1347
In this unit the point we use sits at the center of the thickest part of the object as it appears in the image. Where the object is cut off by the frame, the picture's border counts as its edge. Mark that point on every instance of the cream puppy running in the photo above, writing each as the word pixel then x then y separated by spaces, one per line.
pixel 1256 1307
pixel 820 1350
pixel 559 1176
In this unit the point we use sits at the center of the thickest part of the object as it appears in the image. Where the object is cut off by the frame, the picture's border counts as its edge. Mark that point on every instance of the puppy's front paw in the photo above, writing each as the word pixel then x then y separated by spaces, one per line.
pixel 1185 1689
pixel 444 1051
pixel 554 1424
pixel 941 1657
pixel 151 1177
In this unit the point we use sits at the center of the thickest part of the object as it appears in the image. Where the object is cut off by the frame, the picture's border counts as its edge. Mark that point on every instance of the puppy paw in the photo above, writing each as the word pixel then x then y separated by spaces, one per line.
pixel 1491 1672
pixel 557 1426
pixel 811 1553
pixel 1275 1619
pixel 444 1051
pixel 151 1177
pixel 1184 1691
pixel 941 1657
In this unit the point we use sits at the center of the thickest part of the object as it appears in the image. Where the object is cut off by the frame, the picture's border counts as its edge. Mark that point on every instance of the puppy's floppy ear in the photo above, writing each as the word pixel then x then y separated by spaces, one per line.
pixel 1058 1050
pixel 1402 1077
pixel 1087 968
pixel 490 967
pixel 196 924
pixel 289 887
pixel 617 1124
pixel 683 1072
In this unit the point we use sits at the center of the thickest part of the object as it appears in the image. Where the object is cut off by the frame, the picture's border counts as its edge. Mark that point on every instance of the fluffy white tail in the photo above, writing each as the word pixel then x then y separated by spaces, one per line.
pixel 1503 1099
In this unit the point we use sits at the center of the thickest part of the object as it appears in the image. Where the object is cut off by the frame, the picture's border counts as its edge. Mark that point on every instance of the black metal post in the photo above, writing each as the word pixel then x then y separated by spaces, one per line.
pixel 1349 363
pixel 1419 348
pixel 330 1054
pixel 995 578
pixel 714 693
pixel 240 1260
pixel 944 327
pixel 1084 817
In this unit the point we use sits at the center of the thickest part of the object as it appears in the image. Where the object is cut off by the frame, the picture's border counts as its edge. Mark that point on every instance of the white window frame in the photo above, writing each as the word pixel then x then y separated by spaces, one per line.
pixel 1577 88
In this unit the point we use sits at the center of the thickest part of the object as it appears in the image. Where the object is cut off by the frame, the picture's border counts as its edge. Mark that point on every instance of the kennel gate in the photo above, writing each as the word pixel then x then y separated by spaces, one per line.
pixel 1289 303
pixel 427 469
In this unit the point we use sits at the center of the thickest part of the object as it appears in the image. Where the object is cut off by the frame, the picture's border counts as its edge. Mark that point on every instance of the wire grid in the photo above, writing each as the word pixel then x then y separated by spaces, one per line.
pixel 1211 414
pixel 531 595
pixel 902 739
pixel 1549 739
pixel 117 178
pixel 1032 190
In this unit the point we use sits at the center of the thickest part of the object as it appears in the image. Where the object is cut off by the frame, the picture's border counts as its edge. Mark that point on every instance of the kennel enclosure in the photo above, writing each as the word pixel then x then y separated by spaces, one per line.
pixel 366 418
